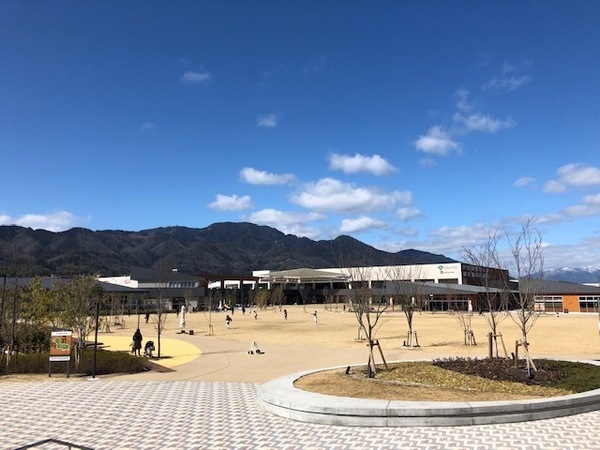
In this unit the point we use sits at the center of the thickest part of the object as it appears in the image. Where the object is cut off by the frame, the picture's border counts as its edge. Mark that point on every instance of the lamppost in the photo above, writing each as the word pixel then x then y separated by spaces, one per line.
pixel 96 338
pixel 137 310
pixel 2 304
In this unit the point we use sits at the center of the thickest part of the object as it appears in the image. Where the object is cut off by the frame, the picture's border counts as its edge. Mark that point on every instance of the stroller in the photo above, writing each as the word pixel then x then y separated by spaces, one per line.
pixel 148 349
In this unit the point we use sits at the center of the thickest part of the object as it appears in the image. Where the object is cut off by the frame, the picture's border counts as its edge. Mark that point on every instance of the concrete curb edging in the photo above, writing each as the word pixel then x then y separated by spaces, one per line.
pixel 280 397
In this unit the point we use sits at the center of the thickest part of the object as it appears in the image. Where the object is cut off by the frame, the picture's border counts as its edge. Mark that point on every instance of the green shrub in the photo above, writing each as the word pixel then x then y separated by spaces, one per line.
pixel 29 338
pixel 106 363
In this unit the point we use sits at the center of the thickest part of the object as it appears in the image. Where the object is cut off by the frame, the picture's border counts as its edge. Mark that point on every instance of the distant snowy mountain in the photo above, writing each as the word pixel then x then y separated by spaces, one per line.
pixel 589 274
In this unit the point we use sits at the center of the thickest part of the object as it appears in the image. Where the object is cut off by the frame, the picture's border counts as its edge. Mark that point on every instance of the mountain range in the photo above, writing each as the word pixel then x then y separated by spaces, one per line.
pixel 221 248
pixel 588 274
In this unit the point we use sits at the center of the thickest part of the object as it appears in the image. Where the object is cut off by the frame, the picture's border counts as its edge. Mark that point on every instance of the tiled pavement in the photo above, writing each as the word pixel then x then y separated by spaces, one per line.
pixel 186 415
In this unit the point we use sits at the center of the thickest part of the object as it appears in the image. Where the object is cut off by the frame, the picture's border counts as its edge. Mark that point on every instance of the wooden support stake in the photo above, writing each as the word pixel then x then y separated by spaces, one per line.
pixel 528 356
pixel 503 346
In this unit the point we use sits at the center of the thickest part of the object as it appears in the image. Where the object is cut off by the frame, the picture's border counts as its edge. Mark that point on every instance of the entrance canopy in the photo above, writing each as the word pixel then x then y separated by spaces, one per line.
pixel 303 275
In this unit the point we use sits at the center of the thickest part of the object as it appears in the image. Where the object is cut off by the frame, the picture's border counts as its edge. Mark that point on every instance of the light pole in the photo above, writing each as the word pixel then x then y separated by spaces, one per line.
pixel 137 309
pixel 2 304
pixel 96 338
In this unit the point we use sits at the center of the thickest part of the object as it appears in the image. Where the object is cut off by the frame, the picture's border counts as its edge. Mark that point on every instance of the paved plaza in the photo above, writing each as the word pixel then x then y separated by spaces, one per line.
pixel 209 399
pixel 188 415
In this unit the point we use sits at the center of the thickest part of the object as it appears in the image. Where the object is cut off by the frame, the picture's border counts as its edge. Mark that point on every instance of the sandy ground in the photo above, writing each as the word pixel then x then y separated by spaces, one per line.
pixel 297 344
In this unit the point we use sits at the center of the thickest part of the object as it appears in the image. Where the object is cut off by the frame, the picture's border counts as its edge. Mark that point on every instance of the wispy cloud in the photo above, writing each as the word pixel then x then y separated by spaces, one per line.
pixel 148 126
pixel 330 195
pixel 442 141
pixel 268 121
pixel 523 182
pixel 253 176
pixel 314 66
pixel 482 123
pixel 361 223
pixel 463 102
pixel 438 142
pixel 409 213
pixel 231 203
pixel 56 221
pixel 360 163
pixel 191 77
pixel 507 84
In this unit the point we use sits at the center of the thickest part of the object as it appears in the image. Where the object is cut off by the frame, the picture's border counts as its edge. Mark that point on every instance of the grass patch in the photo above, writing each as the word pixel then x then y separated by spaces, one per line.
pixel 457 379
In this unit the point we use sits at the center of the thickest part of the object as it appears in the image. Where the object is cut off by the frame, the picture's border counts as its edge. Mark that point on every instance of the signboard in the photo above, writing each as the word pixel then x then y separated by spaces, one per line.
pixel 60 345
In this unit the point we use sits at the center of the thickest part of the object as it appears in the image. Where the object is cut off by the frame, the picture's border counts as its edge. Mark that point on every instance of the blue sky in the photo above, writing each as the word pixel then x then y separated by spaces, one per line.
pixel 405 124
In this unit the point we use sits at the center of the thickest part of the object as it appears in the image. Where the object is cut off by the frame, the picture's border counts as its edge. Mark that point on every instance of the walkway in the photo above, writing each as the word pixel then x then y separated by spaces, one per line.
pixel 190 415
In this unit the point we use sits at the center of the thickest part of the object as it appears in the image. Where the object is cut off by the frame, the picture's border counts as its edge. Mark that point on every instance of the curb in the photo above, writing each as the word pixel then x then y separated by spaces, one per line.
pixel 280 397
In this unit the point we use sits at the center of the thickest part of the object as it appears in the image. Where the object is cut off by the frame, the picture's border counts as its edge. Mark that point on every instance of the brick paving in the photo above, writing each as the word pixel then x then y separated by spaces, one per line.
pixel 188 415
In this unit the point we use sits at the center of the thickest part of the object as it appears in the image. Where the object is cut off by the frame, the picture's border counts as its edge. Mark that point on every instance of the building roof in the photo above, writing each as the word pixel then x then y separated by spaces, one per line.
pixel 551 287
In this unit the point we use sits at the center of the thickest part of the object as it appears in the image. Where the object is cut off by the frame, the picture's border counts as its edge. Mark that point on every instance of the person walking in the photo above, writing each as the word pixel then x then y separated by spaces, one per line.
pixel 136 347
pixel 285 314
pixel 316 320
pixel 228 321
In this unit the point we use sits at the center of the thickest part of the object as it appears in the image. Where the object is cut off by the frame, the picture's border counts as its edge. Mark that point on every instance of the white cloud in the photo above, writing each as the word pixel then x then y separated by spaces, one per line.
pixel 507 84
pixel 268 121
pixel 288 222
pixel 190 77
pixel 554 187
pixel 437 142
pixel 409 213
pixel 579 175
pixel 330 195
pixel 231 203
pixel 589 206
pixel 483 123
pixel 361 223
pixel 582 254
pixel 56 221
pixel 523 182
pixel 592 199
pixel 359 163
pixel 450 240
pixel 253 176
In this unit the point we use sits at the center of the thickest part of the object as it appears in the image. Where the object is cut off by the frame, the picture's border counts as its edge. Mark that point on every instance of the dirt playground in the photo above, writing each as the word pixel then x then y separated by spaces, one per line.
pixel 297 343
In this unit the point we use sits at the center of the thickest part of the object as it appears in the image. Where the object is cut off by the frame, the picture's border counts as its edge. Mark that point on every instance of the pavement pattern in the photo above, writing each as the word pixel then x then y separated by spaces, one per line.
pixel 109 414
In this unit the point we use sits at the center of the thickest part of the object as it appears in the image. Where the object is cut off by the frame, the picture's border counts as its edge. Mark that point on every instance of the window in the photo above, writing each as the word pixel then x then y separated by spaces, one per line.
pixel 548 303
pixel 589 303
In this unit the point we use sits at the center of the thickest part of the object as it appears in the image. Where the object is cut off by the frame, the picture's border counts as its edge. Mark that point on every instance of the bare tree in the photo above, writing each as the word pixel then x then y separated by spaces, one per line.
pixel 485 259
pixel 465 320
pixel 528 265
pixel 408 291
pixel 277 294
pixel 261 298
pixel 367 309
pixel 161 302
pixel 208 311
